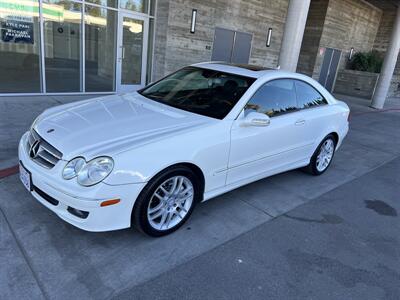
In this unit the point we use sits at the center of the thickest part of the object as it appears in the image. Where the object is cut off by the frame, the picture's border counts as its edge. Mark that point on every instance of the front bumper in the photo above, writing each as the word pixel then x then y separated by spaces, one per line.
pixel 48 184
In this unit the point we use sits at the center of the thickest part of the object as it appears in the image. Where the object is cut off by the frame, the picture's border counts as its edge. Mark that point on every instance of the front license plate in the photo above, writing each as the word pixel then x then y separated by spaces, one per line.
pixel 25 177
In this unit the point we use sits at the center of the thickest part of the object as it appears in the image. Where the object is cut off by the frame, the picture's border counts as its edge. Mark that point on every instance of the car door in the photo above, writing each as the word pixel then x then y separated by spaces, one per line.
pixel 263 150
pixel 314 111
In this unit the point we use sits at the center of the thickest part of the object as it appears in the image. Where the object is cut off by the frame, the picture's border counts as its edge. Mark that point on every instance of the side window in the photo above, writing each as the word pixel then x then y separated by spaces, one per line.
pixel 307 96
pixel 275 98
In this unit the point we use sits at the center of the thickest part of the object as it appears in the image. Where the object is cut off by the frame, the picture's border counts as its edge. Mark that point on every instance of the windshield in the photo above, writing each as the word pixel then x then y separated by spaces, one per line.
pixel 202 91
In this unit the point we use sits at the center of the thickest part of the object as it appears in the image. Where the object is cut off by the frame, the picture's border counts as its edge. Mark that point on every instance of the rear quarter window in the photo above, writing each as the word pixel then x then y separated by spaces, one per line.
pixel 308 96
pixel 276 97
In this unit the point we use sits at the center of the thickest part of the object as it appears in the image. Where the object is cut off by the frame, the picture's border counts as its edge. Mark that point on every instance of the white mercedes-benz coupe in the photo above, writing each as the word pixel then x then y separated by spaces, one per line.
pixel 146 158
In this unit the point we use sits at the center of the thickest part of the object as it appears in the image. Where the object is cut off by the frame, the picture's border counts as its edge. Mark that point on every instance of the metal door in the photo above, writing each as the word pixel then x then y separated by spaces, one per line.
pixel 223 43
pixel 329 68
pixel 231 46
pixel 241 48
pixel 132 51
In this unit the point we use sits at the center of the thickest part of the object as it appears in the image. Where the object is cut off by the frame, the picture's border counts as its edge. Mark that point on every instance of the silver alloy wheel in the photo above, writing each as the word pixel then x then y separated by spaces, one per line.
pixel 170 203
pixel 325 155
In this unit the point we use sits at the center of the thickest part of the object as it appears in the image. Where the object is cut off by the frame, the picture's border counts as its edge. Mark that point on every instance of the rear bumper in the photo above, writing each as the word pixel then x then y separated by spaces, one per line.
pixel 342 134
pixel 65 197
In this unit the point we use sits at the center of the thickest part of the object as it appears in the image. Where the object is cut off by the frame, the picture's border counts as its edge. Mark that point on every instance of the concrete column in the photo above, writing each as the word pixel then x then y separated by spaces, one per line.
pixel 389 64
pixel 293 35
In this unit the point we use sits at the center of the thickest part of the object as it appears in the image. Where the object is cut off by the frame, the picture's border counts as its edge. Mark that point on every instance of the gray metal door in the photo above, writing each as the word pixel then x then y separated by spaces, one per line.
pixel 223 43
pixel 241 48
pixel 329 68
pixel 231 46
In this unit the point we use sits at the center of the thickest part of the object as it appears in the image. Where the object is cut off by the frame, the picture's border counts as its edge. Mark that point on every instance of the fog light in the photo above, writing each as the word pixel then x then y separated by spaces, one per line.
pixel 78 213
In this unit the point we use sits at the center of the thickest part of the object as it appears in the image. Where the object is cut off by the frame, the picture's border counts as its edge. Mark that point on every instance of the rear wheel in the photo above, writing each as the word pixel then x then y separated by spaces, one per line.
pixel 322 157
pixel 166 202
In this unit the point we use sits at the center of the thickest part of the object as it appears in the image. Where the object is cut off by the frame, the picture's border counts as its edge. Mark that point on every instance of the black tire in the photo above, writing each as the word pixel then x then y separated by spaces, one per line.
pixel 312 166
pixel 139 214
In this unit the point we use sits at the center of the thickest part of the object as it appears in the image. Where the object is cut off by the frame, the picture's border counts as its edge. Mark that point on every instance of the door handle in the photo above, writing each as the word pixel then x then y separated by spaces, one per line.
pixel 122 53
pixel 300 122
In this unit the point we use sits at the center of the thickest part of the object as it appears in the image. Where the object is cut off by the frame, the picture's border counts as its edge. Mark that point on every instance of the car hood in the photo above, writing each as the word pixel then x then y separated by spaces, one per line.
pixel 110 125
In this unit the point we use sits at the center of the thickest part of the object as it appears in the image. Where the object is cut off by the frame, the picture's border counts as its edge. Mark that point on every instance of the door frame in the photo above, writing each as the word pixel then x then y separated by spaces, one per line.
pixel 124 88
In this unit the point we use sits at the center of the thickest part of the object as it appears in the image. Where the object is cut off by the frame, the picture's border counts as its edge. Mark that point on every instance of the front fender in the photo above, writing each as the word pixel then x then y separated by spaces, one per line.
pixel 207 148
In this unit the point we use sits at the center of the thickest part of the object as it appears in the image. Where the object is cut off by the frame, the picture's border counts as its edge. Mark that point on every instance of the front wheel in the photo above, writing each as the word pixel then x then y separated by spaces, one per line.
pixel 322 157
pixel 166 202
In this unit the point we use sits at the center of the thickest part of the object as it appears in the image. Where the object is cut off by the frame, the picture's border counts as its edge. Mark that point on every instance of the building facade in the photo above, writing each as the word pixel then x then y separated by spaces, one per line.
pixel 108 46
pixel 57 46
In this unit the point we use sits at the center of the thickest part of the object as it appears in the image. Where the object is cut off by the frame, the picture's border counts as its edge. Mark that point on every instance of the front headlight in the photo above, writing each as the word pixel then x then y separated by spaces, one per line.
pixel 95 171
pixel 73 167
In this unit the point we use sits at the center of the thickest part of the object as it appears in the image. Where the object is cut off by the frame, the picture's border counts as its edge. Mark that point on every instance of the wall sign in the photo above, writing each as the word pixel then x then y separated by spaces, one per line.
pixel 15 30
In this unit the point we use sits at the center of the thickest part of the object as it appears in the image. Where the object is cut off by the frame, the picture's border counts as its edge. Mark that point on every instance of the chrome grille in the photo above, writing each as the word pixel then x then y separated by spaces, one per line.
pixel 41 151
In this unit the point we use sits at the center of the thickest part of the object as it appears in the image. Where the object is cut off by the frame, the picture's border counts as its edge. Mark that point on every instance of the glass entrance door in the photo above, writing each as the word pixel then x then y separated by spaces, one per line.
pixel 132 52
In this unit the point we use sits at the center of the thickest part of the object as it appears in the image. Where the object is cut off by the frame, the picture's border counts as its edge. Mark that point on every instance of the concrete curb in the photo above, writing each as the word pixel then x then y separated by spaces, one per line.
pixel 9 171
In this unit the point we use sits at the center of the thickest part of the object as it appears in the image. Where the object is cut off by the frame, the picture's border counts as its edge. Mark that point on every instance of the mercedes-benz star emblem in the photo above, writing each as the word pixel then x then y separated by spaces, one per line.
pixel 33 151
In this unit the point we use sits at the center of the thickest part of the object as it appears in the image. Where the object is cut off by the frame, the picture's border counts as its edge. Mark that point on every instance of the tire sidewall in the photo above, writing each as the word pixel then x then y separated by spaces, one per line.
pixel 139 215
pixel 315 155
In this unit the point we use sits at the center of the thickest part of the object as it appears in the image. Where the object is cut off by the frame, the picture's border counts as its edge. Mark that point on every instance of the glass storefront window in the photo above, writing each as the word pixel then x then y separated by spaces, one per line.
pixel 78 49
pixel 132 45
pixel 109 3
pixel 100 49
pixel 62 37
pixel 135 5
pixel 19 46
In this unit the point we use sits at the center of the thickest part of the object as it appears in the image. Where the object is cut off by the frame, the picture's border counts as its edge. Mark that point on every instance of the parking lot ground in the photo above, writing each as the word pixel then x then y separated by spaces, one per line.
pixel 345 244
pixel 287 236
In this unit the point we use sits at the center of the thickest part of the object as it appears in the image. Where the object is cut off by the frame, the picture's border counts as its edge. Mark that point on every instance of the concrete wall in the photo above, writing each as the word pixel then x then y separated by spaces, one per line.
pixel 312 36
pixel 340 24
pixel 356 83
pixel 160 38
pixel 175 46
pixel 348 23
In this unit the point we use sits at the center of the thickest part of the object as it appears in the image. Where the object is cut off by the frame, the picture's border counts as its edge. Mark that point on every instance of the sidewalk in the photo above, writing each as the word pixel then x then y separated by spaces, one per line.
pixel 16 116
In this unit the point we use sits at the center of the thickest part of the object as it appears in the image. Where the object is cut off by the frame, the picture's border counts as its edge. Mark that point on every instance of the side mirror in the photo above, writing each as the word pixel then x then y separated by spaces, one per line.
pixel 256 119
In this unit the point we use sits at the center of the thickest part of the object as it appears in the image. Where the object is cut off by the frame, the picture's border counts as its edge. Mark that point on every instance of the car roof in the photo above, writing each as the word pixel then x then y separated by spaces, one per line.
pixel 238 69
pixel 264 74
pixel 255 71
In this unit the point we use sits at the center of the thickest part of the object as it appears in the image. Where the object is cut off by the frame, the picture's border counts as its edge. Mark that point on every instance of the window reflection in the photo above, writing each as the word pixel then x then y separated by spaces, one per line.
pixel 109 3
pixel 19 46
pixel 275 98
pixel 66 61
pixel 100 49
pixel 307 96
pixel 132 42
pixel 135 5
pixel 62 36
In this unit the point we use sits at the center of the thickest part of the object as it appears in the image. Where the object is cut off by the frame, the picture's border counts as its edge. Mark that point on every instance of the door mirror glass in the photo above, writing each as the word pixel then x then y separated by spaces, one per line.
pixel 255 119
